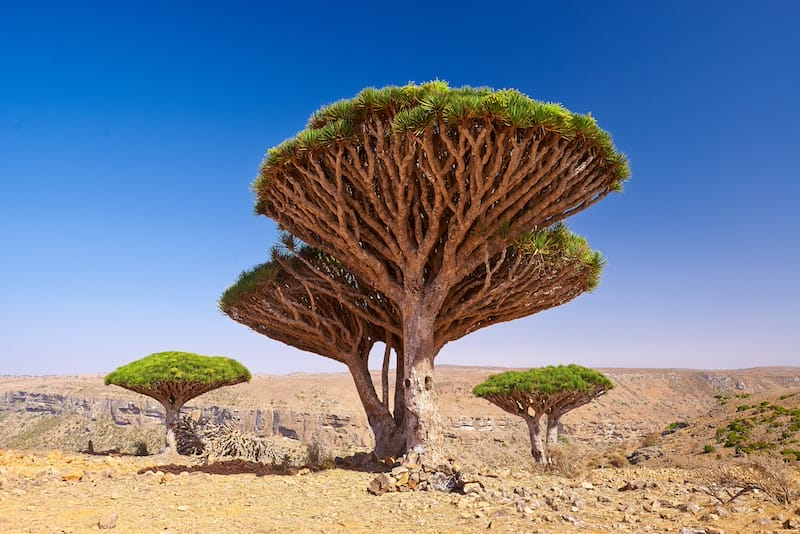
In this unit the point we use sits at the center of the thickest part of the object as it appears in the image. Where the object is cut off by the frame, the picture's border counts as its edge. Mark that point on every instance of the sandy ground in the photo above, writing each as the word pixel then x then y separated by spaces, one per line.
pixel 56 492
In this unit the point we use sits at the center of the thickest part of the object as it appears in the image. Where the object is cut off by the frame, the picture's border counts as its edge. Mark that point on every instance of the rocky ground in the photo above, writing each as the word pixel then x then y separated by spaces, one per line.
pixel 674 425
pixel 57 492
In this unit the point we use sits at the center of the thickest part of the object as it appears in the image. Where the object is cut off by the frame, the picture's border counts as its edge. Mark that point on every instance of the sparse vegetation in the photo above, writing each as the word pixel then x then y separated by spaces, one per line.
pixel 722 399
pixel 761 427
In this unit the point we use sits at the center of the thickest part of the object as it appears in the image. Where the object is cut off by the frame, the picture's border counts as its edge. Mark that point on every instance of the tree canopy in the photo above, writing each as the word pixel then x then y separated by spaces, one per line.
pixel 423 193
pixel 151 371
pixel 543 381
pixel 413 108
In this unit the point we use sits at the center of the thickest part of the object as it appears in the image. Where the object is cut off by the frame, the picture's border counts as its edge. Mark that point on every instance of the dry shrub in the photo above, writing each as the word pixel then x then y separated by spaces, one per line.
pixel 610 457
pixel 568 460
pixel 651 439
pixel 772 477
pixel 187 436
pixel 317 457
pixel 227 441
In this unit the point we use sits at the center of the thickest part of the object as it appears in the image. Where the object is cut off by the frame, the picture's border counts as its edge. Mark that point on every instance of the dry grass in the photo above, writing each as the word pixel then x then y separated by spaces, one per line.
pixel 569 460
pixel 729 480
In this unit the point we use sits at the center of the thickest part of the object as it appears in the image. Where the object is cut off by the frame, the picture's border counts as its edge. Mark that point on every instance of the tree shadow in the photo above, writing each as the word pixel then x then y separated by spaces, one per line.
pixel 360 462
pixel 226 467
pixel 364 462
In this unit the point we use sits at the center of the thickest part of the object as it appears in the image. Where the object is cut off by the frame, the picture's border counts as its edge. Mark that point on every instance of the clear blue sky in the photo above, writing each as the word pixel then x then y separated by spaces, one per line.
pixel 130 133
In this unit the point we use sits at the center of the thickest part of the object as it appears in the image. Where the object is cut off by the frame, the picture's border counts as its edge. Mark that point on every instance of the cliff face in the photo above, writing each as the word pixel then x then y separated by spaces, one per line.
pixel 304 426
pixel 334 431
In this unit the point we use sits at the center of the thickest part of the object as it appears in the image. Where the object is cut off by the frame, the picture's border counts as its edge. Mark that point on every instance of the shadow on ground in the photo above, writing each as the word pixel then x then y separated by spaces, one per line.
pixel 361 462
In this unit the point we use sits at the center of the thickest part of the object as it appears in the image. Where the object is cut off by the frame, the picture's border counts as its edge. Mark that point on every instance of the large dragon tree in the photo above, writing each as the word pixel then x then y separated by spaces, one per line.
pixel 541 396
pixel 175 378
pixel 415 188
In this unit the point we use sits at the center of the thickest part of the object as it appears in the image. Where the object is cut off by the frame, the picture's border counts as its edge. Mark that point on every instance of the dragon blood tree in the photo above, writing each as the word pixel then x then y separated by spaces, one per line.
pixel 541 396
pixel 174 378
pixel 413 189
pixel 305 299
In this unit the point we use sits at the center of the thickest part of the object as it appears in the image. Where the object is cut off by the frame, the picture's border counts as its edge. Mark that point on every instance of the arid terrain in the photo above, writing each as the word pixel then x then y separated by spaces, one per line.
pixel 662 452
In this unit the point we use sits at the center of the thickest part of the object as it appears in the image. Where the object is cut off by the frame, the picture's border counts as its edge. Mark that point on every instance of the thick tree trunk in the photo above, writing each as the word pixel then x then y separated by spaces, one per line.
pixel 537 430
pixel 171 421
pixel 421 424
pixel 389 437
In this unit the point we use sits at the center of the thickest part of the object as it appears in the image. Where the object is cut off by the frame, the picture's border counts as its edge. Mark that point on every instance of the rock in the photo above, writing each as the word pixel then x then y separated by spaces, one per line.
pixel 108 520
pixel 381 484
pixel 792 524
pixel 466 475
pixel 402 479
pixel 472 487
pixel 644 454
pixel 712 530
pixel 587 485
pixel 72 475
pixel 690 507
pixel 637 485
pixel 447 469
pixel 650 507
pixel 571 519
pixel 499 472
pixel 442 481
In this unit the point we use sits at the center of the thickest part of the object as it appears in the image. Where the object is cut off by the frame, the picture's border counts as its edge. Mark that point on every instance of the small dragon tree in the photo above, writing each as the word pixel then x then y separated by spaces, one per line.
pixel 547 391
pixel 174 378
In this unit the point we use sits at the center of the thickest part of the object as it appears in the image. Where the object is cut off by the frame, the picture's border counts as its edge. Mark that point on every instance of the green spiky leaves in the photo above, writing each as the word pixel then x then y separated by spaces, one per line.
pixel 544 380
pixel 185 367
pixel 558 244
pixel 414 108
